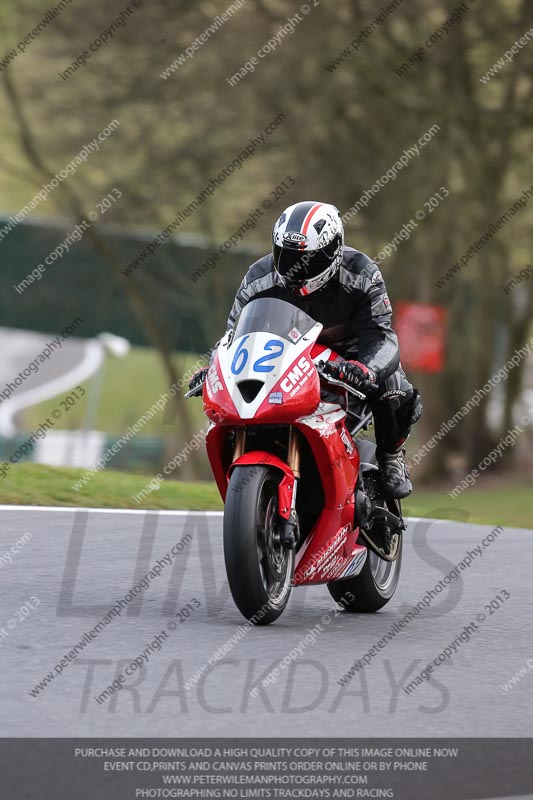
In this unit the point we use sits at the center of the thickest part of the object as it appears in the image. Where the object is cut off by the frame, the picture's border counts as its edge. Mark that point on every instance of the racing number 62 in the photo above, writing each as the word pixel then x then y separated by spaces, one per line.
pixel 275 348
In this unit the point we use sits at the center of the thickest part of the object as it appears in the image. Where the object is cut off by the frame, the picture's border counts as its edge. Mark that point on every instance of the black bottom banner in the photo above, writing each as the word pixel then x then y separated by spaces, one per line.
pixel 124 769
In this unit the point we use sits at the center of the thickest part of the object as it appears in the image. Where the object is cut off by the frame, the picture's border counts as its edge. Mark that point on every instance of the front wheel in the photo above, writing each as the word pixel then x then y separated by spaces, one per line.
pixel 259 568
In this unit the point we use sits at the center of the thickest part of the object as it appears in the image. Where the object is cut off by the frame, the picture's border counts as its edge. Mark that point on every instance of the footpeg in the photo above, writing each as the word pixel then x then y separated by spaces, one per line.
pixel 389 519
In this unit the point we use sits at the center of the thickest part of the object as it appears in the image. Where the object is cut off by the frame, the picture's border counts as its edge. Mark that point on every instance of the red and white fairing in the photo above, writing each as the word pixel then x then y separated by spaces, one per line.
pixel 263 377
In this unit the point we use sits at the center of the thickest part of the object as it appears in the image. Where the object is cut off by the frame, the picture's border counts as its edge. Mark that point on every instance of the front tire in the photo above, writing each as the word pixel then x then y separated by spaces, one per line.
pixel 259 568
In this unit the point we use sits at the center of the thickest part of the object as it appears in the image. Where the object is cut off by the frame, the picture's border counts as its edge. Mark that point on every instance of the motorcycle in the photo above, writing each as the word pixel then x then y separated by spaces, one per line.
pixel 303 501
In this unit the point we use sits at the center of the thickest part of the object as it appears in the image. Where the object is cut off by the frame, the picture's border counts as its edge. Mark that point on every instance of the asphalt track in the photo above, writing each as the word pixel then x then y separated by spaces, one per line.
pixel 20 348
pixel 77 564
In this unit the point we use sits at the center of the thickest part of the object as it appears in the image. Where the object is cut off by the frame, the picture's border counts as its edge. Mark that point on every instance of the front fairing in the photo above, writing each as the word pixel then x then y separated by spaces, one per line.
pixel 263 371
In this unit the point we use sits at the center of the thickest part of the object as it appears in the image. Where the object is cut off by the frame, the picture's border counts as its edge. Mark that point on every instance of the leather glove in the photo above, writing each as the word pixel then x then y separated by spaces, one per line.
pixel 357 375
pixel 197 381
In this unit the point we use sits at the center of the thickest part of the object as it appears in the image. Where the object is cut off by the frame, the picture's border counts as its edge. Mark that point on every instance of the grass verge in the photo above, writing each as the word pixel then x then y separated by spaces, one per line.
pixel 34 484
pixel 120 404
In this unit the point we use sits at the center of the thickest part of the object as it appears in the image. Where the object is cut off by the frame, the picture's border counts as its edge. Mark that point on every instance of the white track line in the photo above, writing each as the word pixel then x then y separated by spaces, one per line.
pixel 165 513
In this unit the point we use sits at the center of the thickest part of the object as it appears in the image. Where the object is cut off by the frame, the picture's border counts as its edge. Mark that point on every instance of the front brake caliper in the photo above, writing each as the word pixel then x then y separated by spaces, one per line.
pixel 289 533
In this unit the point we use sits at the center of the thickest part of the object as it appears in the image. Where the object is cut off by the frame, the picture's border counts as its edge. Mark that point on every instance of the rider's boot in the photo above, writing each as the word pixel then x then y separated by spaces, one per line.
pixel 394 474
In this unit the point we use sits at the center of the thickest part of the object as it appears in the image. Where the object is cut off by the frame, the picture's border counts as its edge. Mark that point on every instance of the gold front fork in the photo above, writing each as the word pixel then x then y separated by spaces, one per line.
pixel 293 455
pixel 240 441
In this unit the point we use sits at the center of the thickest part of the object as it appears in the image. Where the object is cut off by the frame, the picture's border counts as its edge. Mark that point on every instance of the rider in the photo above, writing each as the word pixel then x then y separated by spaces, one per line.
pixel 344 290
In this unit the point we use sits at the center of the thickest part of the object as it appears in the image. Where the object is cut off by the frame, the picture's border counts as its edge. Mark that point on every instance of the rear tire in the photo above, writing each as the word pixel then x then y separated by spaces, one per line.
pixel 378 580
pixel 259 568
pixel 372 588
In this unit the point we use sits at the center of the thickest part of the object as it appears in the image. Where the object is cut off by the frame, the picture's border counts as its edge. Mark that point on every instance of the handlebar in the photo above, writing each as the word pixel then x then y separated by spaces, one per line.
pixel 324 370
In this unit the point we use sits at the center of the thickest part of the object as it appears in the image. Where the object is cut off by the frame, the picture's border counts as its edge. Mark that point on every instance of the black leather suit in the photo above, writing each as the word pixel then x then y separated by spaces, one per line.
pixel 356 313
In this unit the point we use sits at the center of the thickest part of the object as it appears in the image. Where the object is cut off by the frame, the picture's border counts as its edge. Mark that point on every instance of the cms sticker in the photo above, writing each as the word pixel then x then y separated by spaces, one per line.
pixel 294 377
pixel 213 380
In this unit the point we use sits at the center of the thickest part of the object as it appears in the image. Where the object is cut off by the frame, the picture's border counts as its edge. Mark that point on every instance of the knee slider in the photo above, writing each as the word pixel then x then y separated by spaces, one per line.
pixel 417 407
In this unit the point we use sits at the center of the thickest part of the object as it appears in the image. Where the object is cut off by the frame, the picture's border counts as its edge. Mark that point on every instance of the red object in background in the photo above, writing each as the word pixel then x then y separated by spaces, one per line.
pixel 421 329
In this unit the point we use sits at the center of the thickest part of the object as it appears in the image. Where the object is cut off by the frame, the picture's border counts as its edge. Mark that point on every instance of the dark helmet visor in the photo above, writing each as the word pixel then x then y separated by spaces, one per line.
pixel 296 267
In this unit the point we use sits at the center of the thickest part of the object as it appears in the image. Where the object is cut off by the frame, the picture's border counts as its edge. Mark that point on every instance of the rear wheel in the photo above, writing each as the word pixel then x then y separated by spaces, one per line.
pixel 377 581
pixel 259 568
pixel 372 588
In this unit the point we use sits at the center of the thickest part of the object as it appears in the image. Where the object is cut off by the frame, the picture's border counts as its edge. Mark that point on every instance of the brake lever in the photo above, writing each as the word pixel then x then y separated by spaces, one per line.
pixel 321 369
pixel 194 392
